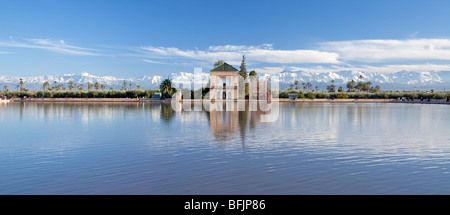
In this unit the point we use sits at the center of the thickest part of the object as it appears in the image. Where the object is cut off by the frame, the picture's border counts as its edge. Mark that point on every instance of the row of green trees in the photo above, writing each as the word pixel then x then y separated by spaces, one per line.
pixel 20 86
pixel 203 91
pixel 352 86
pixel 362 95
pixel 307 86
pixel 71 86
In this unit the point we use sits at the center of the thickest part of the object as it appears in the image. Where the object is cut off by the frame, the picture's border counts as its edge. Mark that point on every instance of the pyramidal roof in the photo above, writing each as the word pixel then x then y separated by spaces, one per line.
pixel 225 67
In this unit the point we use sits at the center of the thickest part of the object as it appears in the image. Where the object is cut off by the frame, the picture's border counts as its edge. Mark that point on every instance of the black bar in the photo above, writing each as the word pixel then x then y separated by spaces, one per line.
pixel 225 204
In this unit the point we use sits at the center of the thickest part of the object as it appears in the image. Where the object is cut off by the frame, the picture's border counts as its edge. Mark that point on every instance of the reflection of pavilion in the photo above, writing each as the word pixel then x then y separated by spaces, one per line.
pixel 228 119
pixel 224 123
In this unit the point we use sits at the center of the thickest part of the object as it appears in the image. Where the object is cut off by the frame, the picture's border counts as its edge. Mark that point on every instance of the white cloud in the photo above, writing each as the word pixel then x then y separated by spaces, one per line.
pixel 233 54
pixel 50 45
pixel 335 52
pixel 269 70
pixel 389 50
pixel 152 61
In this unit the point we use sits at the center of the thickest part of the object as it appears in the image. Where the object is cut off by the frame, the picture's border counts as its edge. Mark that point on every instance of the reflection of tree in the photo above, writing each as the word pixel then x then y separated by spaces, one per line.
pixel 243 122
pixel 22 105
pixel 167 112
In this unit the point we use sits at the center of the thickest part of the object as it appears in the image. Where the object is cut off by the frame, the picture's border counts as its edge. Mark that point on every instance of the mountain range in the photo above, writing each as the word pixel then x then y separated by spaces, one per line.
pixel 402 80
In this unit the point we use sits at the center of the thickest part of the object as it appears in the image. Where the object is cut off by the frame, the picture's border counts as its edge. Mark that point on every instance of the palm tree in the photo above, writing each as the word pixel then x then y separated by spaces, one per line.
pixel 124 87
pixel 21 84
pixel 46 85
pixel 359 86
pixel 90 86
pixel 317 88
pixel 6 88
pixel 166 88
pixel 309 85
pixel 218 63
pixel 351 85
pixel 55 82
pixel 70 85
pixel 103 87
pixel 366 86
pixel 332 87
pixel 97 86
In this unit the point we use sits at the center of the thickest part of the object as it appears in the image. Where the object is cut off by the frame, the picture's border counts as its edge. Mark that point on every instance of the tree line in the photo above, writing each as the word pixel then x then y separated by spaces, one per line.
pixel 80 94
pixel 352 86
pixel 362 95
pixel 71 86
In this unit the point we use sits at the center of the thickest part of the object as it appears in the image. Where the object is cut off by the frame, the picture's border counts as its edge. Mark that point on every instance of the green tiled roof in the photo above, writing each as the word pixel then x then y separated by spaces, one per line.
pixel 225 67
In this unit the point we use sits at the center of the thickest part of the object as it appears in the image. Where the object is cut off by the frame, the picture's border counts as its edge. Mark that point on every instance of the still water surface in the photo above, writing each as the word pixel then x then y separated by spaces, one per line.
pixel 152 149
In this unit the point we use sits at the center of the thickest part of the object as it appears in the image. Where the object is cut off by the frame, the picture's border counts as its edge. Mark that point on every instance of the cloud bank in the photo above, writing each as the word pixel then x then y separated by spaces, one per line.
pixel 382 56
pixel 389 50
pixel 233 54
pixel 376 55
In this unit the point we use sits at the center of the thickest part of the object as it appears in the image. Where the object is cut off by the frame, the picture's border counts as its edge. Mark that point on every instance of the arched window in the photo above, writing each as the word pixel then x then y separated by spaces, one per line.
pixel 225 82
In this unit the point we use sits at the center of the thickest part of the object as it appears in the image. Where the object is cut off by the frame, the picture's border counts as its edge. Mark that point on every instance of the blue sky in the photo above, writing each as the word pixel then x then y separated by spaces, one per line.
pixel 137 38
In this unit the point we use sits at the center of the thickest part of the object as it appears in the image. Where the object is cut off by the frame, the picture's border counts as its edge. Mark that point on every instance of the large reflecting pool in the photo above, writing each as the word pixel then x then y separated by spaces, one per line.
pixel 145 148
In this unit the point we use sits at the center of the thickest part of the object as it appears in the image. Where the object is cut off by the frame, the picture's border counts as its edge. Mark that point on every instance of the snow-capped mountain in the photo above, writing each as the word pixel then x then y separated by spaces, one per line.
pixel 402 80
pixel 36 83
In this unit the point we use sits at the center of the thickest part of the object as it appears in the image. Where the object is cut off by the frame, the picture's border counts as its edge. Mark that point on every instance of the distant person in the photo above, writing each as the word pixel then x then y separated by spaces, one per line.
pixel 421 99
pixel 448 99
pixel 428 99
